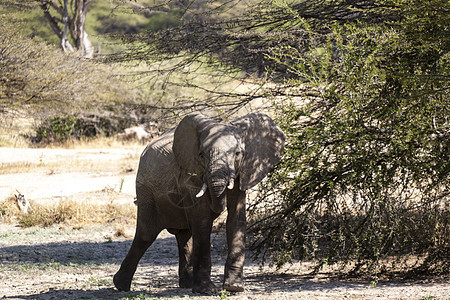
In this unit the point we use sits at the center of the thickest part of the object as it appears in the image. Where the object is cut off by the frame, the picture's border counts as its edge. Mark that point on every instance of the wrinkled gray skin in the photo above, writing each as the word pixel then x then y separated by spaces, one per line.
pixel 229 159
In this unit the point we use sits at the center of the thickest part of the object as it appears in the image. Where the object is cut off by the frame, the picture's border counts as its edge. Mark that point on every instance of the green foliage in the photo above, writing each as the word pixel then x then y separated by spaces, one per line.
pixel 60 129
pixel 32 22
pixel 224 294
pixel 57 129
pixel 164 21
pixel 366 170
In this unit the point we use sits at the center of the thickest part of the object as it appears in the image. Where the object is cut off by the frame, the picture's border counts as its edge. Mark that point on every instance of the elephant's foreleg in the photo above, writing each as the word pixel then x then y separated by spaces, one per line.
pixel 201 256
pixel 185 272
pixel 236 230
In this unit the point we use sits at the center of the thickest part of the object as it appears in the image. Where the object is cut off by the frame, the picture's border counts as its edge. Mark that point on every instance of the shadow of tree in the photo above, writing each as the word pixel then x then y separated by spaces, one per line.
pixel 104 293
pixel 295 282
pixel 67 253
pixel 157 273
pixel 256 284
pixel 84 270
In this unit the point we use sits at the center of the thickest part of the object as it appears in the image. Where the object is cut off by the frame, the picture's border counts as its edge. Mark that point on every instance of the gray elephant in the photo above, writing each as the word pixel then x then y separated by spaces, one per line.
pixel 185 179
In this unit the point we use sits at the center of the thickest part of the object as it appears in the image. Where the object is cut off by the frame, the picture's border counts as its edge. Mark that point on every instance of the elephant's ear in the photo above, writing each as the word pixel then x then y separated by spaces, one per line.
pixel 264 144
pixel 186 143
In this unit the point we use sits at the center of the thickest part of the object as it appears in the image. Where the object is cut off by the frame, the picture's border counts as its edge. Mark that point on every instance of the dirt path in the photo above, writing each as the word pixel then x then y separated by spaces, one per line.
pixel 62 262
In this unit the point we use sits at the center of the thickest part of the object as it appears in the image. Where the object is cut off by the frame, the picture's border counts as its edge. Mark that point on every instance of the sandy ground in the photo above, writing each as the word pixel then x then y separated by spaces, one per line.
pixel 58 173
pixel 61 262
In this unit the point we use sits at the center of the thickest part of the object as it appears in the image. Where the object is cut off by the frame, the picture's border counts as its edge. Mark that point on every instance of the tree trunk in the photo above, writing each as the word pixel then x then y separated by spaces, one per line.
pixel 65 44
pixel 74 24
pixel 83 43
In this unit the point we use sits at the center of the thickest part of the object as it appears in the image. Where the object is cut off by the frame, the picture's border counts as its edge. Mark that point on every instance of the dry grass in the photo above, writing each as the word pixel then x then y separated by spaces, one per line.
pixel 9 210
pixel 100 156
pixel 13 126
pixel 68 212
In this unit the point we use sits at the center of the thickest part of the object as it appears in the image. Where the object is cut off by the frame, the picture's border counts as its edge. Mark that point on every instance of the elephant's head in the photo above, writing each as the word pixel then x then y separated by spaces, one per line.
pixel 247 149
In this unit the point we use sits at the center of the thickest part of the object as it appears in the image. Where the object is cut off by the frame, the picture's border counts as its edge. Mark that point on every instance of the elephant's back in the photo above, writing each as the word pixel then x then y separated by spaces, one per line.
pixel 157 163
pixel 161 145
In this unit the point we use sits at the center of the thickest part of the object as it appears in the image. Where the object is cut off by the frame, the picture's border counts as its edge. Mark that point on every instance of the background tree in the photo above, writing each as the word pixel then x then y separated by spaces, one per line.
pixel 68 18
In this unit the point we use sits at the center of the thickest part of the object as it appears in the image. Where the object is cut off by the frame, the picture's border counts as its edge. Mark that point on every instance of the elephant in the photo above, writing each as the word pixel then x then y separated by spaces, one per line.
pixel 185 180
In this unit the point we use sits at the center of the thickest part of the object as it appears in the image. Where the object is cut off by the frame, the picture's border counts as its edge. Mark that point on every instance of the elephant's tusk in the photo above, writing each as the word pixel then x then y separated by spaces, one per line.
pixel 231 184
pixel 202 191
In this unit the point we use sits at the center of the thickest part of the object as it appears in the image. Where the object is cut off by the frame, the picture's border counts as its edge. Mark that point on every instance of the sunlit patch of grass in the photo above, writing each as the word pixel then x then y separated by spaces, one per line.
pixel 142 296
pixel 96 281
pixel 69 212
pixel 48 215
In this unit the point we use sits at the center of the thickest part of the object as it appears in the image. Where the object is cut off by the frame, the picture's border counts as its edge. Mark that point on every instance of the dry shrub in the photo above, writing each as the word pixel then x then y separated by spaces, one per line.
pixel 69 212
pixel 42 78
pixel 120 232
pixel 47 215
pixel 9 209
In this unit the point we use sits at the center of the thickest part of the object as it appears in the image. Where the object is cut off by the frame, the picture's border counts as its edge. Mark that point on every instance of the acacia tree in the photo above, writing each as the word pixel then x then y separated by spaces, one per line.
pixel 67 19
pixel 236 46
pixel 366 170
pixel 364 89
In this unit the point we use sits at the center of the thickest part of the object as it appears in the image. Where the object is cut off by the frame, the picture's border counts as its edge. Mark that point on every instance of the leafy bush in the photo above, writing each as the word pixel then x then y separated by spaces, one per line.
pixel 366 170
pixel 60 129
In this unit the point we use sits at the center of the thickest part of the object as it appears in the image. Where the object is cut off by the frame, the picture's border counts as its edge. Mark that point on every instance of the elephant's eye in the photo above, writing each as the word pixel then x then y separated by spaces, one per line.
pixel 201 154
pixel 238 153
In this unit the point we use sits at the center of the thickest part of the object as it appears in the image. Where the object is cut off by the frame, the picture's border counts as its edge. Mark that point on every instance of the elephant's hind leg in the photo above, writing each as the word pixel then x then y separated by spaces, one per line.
pixel 146 233
pixel 123 277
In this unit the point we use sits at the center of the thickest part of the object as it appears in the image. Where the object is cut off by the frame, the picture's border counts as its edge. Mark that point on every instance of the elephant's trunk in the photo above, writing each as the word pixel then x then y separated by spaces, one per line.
pixel 202 191
pixel 217 181
pixel 217 189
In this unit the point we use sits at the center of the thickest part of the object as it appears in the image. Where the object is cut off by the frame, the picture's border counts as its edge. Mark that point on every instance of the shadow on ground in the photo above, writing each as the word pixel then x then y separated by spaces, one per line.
pixel 162 252
pixel 63 270
pixel 272 282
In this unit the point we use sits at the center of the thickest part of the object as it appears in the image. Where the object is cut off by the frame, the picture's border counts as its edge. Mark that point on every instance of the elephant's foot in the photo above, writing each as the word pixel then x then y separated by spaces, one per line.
pixel 186 278
pixel 185 282
pixel 207 288
pixel 121 283
pixel 234 286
